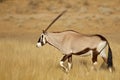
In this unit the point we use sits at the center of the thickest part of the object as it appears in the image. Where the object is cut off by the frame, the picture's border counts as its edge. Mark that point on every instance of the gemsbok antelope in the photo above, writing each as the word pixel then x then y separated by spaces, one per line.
pixel 70 43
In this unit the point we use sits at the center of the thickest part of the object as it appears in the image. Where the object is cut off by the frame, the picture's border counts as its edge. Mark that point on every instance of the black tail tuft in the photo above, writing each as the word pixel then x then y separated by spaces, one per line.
pixel 109 60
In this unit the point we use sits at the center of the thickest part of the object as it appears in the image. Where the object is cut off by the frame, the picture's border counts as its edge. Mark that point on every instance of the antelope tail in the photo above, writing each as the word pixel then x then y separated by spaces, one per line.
pixel 109 59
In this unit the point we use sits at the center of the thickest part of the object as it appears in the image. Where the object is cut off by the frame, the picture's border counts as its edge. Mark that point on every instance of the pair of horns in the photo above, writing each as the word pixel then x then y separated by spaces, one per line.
pixel 54 20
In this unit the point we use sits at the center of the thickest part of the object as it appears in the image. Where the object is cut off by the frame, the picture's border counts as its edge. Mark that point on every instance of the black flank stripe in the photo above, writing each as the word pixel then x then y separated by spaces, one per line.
pixel 82 52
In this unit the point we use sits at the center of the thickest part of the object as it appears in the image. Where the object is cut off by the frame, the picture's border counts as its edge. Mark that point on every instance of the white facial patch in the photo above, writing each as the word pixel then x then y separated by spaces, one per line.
pixel 39 44
pixel 44 40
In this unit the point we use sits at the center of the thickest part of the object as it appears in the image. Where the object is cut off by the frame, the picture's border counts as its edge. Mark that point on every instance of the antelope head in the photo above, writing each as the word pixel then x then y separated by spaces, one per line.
pixel 42 40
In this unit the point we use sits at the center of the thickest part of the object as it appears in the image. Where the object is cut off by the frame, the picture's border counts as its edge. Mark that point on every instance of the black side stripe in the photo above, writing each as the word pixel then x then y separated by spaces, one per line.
pixel 82 52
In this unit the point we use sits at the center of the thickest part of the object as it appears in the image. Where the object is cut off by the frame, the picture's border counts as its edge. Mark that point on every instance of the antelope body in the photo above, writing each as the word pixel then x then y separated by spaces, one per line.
pixel 73 43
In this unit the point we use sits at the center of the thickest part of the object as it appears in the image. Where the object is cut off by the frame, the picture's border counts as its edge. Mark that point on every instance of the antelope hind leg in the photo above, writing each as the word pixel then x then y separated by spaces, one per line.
pixel 94 59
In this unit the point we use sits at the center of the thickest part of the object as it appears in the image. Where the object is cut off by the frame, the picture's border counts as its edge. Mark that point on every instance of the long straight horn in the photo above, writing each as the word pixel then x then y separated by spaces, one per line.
pixel 55 20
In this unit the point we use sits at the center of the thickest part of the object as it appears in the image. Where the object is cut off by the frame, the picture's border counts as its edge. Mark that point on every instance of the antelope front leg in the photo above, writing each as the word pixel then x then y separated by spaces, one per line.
pixel 70 62
pixel 62 62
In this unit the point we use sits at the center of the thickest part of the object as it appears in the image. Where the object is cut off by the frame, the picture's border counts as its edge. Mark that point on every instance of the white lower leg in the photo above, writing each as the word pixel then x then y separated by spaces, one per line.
pixel 62 65
pixel 110 69
pixel 69 65
pixel 94 65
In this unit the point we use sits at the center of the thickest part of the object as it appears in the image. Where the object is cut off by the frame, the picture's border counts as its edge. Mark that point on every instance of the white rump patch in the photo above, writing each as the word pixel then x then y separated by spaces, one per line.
pixel 101 46
pixel 103 53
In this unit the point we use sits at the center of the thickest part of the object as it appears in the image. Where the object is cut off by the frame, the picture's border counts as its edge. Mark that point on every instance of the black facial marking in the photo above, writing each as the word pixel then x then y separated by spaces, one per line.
pixel 42 36
pixel 41 40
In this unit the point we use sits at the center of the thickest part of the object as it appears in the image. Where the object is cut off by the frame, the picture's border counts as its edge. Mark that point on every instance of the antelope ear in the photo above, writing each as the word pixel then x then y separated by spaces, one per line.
pixel 44 32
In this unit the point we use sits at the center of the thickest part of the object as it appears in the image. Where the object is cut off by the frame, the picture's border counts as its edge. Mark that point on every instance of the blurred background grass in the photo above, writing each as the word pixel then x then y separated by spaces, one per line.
pixel 21 23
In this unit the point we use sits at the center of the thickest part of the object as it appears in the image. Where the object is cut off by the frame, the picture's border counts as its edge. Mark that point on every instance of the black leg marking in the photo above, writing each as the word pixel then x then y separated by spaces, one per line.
pixel 95 54
pixel 64 58
pixel 70 59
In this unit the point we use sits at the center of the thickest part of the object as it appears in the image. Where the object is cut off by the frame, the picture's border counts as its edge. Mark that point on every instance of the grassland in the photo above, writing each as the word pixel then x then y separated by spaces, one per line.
pixel 21 60
pixel 21 23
